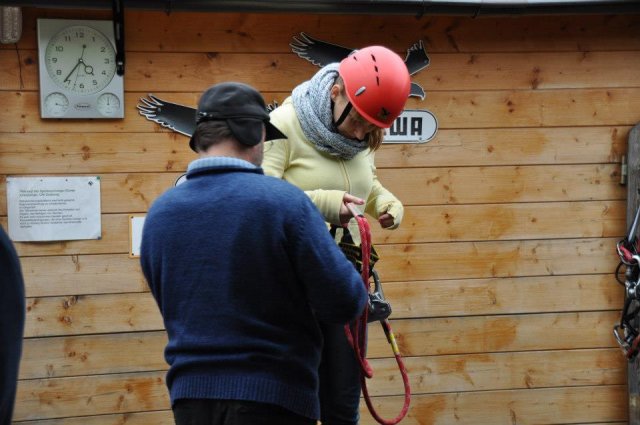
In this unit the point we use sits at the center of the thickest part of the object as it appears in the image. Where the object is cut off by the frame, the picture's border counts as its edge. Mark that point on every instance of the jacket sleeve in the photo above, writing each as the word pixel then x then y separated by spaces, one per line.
pixel 328 203
pixel 275 164
pixel 382 201
pixel 334 288
pixel 276 157
pixel 152 276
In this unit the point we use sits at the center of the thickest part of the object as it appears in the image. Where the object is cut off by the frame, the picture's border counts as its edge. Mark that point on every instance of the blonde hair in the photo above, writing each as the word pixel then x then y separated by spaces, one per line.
pixel 374 137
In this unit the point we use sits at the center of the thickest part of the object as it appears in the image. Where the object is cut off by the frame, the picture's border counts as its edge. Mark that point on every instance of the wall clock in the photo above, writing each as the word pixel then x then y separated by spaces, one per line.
pixel 78 77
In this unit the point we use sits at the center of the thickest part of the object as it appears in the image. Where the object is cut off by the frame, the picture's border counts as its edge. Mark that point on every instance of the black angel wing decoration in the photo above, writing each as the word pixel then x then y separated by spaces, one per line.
pixel 416 58
pixel 177 117
pixel 271 106
pixel 318 52
pixel 321 53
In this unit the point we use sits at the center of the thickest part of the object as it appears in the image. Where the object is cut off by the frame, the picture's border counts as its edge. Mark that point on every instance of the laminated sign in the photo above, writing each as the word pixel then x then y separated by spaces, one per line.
pixel 412 126
pixel 53 208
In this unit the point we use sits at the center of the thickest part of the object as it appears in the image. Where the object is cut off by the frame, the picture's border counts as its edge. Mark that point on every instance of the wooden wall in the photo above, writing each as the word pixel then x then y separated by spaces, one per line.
pixel 501 276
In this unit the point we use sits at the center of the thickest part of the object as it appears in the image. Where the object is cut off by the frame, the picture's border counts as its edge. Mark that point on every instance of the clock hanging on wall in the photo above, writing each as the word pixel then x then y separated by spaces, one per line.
pixel 78 77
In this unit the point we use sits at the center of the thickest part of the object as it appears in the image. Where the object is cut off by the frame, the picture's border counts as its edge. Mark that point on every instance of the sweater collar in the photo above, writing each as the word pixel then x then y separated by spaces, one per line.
pixel 220 163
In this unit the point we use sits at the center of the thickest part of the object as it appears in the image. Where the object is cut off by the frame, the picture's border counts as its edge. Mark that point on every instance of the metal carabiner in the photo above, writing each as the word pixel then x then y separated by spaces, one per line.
pixel 625 254
pixel 379 307
pixel 624 346
pixel 628 344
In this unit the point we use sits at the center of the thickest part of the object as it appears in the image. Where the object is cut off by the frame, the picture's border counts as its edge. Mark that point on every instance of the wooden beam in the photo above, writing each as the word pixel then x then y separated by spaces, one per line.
pixel 53 152
pixel 470 109
pixel 157 31
pixel 151 71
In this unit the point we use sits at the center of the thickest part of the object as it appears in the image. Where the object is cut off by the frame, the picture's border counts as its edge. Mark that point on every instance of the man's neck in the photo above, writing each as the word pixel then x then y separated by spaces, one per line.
pixel 231 150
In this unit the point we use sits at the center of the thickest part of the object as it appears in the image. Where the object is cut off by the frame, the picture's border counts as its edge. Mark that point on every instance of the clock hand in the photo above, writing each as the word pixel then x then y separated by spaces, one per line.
pixel 74 68
pixel 77 64
pixel 88 69
pixel 77 75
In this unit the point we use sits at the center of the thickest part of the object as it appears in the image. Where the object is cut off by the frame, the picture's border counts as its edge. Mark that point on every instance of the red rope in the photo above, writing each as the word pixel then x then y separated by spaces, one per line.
pixel 357 333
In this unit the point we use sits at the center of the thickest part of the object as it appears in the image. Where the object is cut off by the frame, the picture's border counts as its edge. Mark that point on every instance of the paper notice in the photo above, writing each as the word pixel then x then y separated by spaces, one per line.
pixel 53 208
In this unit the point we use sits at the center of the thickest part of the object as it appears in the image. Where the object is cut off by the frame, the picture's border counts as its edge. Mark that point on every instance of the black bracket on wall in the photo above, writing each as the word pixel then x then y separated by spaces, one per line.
pixel 118 31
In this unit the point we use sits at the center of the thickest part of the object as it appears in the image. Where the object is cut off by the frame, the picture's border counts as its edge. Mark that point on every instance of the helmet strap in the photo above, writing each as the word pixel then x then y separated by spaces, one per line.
pixel 344 114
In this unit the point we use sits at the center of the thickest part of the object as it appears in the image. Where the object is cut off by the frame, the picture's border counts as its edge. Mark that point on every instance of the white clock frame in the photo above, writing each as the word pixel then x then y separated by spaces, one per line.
pixel 106 102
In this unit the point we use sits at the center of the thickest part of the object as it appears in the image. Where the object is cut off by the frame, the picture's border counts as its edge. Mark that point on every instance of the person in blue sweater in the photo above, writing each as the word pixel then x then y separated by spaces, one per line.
pixel 243 269
pixel 12 317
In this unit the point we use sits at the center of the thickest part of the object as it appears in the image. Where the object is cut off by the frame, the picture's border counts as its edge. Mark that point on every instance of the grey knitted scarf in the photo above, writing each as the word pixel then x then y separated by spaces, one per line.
pixel 312 102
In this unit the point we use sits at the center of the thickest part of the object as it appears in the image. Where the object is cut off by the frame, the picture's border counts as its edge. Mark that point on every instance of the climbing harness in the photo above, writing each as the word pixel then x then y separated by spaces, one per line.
pixel 378 310
pixel 627 332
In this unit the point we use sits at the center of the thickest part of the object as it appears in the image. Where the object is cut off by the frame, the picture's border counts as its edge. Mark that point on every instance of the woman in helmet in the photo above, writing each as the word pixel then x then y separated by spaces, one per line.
pixel 334 123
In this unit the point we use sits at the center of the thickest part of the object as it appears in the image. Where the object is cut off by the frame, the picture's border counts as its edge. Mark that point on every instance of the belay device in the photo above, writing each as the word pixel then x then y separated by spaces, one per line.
pixel 378 310
pixel 627 332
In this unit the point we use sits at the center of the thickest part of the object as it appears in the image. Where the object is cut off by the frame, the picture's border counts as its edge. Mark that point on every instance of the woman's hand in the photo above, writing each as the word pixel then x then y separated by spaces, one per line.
pixel 385 220
pixel 345 214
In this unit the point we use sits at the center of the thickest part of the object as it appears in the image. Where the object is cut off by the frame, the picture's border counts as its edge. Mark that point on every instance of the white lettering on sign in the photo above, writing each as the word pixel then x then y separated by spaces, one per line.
pixel 412 126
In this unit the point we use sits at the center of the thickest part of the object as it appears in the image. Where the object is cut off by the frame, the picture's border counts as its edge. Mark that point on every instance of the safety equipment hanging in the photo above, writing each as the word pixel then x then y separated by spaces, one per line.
pixel 357 332
pixel 627 331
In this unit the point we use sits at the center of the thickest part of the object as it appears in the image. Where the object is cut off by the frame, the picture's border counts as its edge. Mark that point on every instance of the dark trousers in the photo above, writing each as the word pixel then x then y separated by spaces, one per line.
pixel 233 412
pixel 339 379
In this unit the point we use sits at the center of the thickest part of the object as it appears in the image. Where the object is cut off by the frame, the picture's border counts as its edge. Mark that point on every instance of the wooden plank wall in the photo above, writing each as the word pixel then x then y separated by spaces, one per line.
pixel 501 276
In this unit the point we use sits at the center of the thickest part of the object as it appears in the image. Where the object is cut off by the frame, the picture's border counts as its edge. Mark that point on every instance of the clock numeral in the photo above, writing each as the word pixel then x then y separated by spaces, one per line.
pixel 81 85
pixel 104 72
pixel 103 49
pixel 54 60
pixel 59 49
pixel 95 83
pixel 67 38
pixel 106 60
pixel 58 72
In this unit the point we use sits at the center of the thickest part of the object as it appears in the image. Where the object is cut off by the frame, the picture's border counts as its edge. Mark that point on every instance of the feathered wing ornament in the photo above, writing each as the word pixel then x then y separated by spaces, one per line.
pixel 179 118
pixel 271 106
pixel 321 53
pixel 416 60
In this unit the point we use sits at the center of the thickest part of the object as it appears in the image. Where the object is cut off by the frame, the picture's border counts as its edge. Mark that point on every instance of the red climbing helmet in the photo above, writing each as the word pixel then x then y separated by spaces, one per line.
pixel 377 84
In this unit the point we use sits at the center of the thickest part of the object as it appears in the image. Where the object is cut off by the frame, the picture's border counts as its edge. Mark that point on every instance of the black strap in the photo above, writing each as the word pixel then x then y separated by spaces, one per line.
pixel 118 31
pixel 344 114
pixel 346 235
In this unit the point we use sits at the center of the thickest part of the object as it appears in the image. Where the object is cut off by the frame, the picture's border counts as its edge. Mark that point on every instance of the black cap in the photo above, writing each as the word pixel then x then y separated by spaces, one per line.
pixel 242 107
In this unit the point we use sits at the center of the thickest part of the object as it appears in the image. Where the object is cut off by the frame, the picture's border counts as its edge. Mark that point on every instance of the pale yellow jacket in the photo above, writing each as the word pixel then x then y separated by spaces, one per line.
pixel 323 177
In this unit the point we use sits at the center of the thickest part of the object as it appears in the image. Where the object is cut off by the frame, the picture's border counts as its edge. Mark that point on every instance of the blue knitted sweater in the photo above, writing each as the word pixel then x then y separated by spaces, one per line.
pixel 12 318
pixel 242 268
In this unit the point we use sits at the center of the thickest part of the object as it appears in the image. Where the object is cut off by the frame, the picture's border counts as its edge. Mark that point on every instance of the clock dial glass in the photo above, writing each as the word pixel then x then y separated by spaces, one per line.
pixel 108 104
pixel 56 104
pixel 80 59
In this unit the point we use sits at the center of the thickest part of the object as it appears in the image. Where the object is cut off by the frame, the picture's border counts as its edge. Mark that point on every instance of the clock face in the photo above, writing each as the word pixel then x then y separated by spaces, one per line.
pixel 80 59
